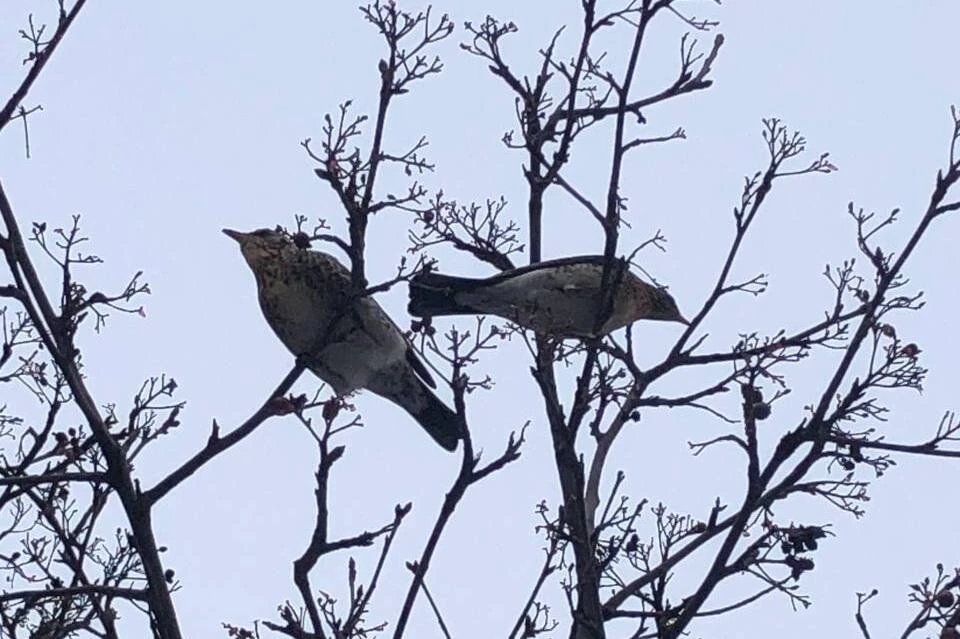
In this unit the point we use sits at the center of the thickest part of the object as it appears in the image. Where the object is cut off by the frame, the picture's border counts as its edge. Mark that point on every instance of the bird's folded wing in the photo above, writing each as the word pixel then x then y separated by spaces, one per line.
pixel 419 367
pixel 411 355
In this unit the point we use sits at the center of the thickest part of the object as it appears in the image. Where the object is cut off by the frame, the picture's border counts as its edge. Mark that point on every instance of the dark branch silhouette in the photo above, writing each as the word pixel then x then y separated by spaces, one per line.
pixel 607 554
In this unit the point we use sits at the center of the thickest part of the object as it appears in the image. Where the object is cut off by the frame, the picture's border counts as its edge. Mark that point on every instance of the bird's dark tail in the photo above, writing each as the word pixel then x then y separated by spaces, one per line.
pixel 435 295
pixel 440 422
pixel 401 385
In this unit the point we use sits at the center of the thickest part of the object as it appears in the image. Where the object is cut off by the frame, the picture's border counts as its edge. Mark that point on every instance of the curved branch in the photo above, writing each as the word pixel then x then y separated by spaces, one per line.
pixel 216 444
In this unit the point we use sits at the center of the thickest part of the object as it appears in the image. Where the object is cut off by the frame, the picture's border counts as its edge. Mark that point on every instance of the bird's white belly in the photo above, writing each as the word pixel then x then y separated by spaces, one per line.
pixel 345 347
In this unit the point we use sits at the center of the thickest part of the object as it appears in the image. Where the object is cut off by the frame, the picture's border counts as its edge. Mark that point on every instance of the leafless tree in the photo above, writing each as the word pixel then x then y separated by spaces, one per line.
pixel 610 555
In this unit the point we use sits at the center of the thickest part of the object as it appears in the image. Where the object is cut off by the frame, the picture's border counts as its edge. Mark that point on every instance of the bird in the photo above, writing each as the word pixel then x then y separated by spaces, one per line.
pixel 344 337
pixel 560 297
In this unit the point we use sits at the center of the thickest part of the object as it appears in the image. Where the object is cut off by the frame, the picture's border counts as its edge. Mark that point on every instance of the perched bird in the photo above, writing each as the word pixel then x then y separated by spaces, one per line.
pixel 558 297
pixel 344 337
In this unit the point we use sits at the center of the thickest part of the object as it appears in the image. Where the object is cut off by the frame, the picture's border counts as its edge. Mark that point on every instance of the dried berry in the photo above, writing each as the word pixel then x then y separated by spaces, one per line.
pixel 331 408
pixel 910 350
pixel 761 411
pixel 301 240
pixel 280 406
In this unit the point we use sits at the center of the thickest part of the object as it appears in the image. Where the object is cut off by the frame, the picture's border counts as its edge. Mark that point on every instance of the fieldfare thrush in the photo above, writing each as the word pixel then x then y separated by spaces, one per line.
pixel 344 337
pixel 560 297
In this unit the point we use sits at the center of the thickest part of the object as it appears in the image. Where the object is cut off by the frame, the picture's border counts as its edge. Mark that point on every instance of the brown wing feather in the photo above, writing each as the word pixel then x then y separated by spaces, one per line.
pixel 338 270
pixel 420 368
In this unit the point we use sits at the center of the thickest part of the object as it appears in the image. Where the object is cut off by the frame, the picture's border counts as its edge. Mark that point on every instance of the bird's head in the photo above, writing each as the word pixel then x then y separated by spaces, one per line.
pixel 662 306
pixel 260 245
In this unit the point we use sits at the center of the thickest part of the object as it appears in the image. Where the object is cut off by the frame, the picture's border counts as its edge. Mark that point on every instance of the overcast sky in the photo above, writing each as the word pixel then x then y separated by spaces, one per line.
pixel 165 121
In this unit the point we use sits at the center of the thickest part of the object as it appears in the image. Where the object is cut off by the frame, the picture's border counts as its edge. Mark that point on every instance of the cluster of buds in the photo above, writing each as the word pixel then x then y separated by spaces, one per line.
pixel 850 462
pixel 801 539
pixel 910 350
pixel 798 565
pixel 423 325
pixel 796 540
pixel 68 444
pixel 331 408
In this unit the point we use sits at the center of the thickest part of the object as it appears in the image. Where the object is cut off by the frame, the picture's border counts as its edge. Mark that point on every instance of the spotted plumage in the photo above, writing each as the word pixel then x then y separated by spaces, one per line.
pixel 558 297
pixel 345 338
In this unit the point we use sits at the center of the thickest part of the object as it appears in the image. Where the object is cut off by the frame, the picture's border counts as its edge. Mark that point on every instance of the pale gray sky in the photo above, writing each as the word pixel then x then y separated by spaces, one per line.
pixel 164 122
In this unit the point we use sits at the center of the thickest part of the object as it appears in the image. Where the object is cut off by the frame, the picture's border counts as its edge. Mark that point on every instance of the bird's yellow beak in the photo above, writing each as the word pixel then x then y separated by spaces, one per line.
pixel 236 235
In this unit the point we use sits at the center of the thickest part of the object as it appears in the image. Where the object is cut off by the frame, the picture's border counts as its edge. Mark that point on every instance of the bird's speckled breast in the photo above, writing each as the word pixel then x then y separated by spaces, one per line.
pixel 308 303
